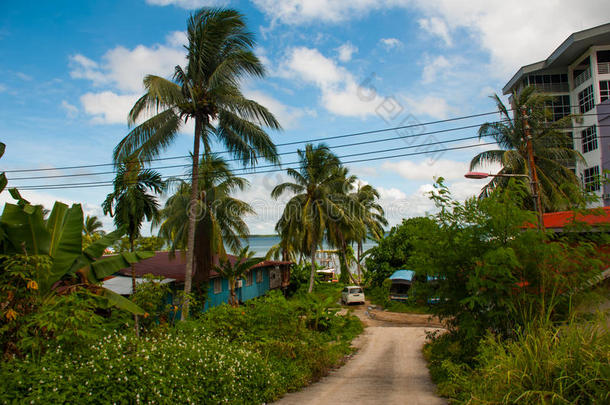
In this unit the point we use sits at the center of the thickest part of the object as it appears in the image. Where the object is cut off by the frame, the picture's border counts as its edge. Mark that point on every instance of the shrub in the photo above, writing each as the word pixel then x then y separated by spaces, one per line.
pixel 569 364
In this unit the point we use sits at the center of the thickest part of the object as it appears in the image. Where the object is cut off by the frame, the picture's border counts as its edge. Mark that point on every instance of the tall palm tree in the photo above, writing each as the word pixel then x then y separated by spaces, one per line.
pixel 130 203
pixel 371 219
pixel 316 184
pixel 219 220
pixel 234 270
pixel 92 225
pixel 553 153
pixel 206 90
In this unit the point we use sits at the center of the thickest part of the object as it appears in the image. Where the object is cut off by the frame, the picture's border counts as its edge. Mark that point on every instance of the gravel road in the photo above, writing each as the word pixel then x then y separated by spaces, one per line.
pixel 387 369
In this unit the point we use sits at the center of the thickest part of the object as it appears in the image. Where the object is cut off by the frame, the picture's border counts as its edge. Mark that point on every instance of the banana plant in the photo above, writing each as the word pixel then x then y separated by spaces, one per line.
pixel 25 231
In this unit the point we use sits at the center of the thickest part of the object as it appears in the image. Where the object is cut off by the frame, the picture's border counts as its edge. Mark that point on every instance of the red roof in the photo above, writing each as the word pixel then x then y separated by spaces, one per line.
pixel 161 265
pixel 563 218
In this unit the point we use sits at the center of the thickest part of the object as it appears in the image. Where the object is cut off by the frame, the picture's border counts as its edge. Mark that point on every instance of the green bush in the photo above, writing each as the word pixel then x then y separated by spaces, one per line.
pixel 564 365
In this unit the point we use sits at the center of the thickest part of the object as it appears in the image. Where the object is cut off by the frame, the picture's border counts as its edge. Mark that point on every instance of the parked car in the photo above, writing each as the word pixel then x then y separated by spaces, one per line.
pixel 352 294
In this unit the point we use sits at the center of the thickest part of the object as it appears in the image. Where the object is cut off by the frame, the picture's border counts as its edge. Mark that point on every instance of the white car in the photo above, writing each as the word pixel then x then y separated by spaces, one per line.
pixel 352 294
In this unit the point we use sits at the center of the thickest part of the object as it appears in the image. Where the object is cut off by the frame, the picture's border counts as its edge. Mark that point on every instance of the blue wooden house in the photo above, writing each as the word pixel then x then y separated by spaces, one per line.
pixel 265 276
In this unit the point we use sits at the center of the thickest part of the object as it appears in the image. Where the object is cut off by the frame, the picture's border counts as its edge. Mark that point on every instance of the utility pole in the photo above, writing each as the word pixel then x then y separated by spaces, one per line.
pixel 532 166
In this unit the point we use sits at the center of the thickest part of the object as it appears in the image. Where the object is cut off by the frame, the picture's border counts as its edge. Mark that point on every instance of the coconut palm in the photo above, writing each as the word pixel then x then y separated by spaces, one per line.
pixel 92 226
pixel 235 269
pixel 371 219
pixel 220 218
pixel 206 91
pixel 130 203
pixel 552 149
pixel 316 186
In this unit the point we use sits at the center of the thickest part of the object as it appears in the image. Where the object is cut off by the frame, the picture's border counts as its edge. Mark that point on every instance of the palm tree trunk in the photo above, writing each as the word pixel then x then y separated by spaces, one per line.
pixel 359 254
pixel 313 268
pixel 190 244
pixel 133 287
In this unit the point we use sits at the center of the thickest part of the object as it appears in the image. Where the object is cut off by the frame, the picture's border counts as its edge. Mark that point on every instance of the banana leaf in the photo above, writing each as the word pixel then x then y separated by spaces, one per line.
pixel 121 302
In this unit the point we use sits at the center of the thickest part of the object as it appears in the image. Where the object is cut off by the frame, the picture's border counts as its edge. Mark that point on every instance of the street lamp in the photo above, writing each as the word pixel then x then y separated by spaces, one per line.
pixel 537 207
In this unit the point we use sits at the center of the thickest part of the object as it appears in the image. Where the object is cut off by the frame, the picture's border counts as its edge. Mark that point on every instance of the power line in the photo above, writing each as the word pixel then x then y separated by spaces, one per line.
pixel 464 117
pixel 109 183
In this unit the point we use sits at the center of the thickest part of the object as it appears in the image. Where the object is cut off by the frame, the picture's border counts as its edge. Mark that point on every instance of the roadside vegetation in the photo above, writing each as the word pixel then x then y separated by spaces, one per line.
pixel 507 293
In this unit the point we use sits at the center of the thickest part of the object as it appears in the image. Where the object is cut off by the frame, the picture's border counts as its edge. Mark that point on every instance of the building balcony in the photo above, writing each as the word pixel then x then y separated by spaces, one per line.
pixel 582 77
pixel 552 87
pixel 603 68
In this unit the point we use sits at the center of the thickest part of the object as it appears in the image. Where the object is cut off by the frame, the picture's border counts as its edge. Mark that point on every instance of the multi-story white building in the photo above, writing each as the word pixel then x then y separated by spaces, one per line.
pixel 577 73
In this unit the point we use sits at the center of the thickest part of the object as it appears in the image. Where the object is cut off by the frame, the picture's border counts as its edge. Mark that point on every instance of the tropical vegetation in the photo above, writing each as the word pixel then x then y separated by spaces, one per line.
pixel 554 155
pixel 236 270
pixel 206 91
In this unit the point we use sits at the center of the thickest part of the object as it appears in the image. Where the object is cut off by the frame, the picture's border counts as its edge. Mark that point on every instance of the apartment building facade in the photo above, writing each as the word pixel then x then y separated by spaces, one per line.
pixel 577 74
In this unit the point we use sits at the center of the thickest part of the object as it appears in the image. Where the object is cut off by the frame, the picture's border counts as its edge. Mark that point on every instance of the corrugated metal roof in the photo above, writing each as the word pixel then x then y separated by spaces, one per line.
pixel 123 285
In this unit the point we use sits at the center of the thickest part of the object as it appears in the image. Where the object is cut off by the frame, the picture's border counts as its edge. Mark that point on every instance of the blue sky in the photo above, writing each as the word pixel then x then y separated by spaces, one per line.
pixel 70 71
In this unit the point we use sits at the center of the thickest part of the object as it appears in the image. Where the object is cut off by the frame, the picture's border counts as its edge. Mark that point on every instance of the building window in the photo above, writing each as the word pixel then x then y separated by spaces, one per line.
pixel 259 276
pixel 249 278
pixel 604 90
pixel 589 139
pixel 559 107
pixel 586 100
pixel 217 285
pixel 591 179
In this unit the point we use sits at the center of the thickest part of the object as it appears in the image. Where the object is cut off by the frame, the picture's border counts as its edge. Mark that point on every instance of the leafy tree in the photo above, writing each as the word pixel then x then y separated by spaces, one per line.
pixel 219 220
pixel 92 226
pixel 130 203
pixel 233 271
pixel 395 250
pixel 219 58
pixel 145 243
pixel 371 217
pixel 316 185
pixel 553 152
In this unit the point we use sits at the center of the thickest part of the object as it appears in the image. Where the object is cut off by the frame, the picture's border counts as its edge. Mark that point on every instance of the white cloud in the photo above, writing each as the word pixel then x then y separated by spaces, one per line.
pixel 187 4
pixel 2 88
pixel 340 93
pixel 515 33
pixel 176 38
pixel 436 27
pixel 124 69
pixel 287 116
pixel 346 51
pixel 428 169
pixel 432 68
pixel 108 107
pixel 390 43
pixel 23 76
pixel 432 106
pixel 71 110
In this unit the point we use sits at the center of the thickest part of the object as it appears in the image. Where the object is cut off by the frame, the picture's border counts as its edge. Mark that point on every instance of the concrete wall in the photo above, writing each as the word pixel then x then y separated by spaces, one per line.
pixel 603 130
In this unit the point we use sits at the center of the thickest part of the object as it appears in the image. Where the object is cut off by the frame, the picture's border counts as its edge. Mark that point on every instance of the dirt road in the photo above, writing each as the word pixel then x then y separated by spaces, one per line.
pixel 387 369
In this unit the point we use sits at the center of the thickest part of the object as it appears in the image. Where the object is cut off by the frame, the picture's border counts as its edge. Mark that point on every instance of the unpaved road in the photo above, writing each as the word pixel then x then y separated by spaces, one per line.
pixel 388 368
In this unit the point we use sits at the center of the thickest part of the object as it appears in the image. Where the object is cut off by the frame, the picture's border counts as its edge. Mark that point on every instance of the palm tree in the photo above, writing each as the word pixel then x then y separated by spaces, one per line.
pixel 234 270
pixel 130 203
pixel 92 226
pixel 219 221
pixel 371 219
pixel 316 185
pixel 553 153
pixel 219 57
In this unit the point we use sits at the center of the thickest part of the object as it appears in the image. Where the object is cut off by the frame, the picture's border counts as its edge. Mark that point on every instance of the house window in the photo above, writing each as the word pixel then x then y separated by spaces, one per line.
pixel 217 285
pixel 591 178
pixel 589 139
pixel 604 90
pixel 586 100
pixel 559 107
pixel 249 278
pixel 259 276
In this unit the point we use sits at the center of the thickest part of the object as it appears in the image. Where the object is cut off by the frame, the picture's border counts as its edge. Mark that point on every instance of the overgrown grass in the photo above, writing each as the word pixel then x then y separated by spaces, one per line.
pixel 380 297
pixel 251 354
pixel 569 364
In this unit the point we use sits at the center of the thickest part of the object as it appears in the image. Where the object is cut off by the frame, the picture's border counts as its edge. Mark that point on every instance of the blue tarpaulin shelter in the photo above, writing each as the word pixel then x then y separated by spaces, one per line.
pixel 405 275
pixel 401 283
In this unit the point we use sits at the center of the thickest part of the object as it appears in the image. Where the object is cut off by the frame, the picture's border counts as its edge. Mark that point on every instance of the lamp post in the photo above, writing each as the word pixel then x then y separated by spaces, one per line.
pixel 537 206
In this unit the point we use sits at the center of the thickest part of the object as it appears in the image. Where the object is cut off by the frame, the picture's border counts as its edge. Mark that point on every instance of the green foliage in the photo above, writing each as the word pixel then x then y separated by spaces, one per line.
pixel 394 251
pixel 555 365
pixel 233 271
pixel 152 297
pixel 251 354
pixel 143 243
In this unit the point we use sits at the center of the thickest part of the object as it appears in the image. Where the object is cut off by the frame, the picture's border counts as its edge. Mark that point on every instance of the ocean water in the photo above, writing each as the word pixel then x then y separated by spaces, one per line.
pixel 261 244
